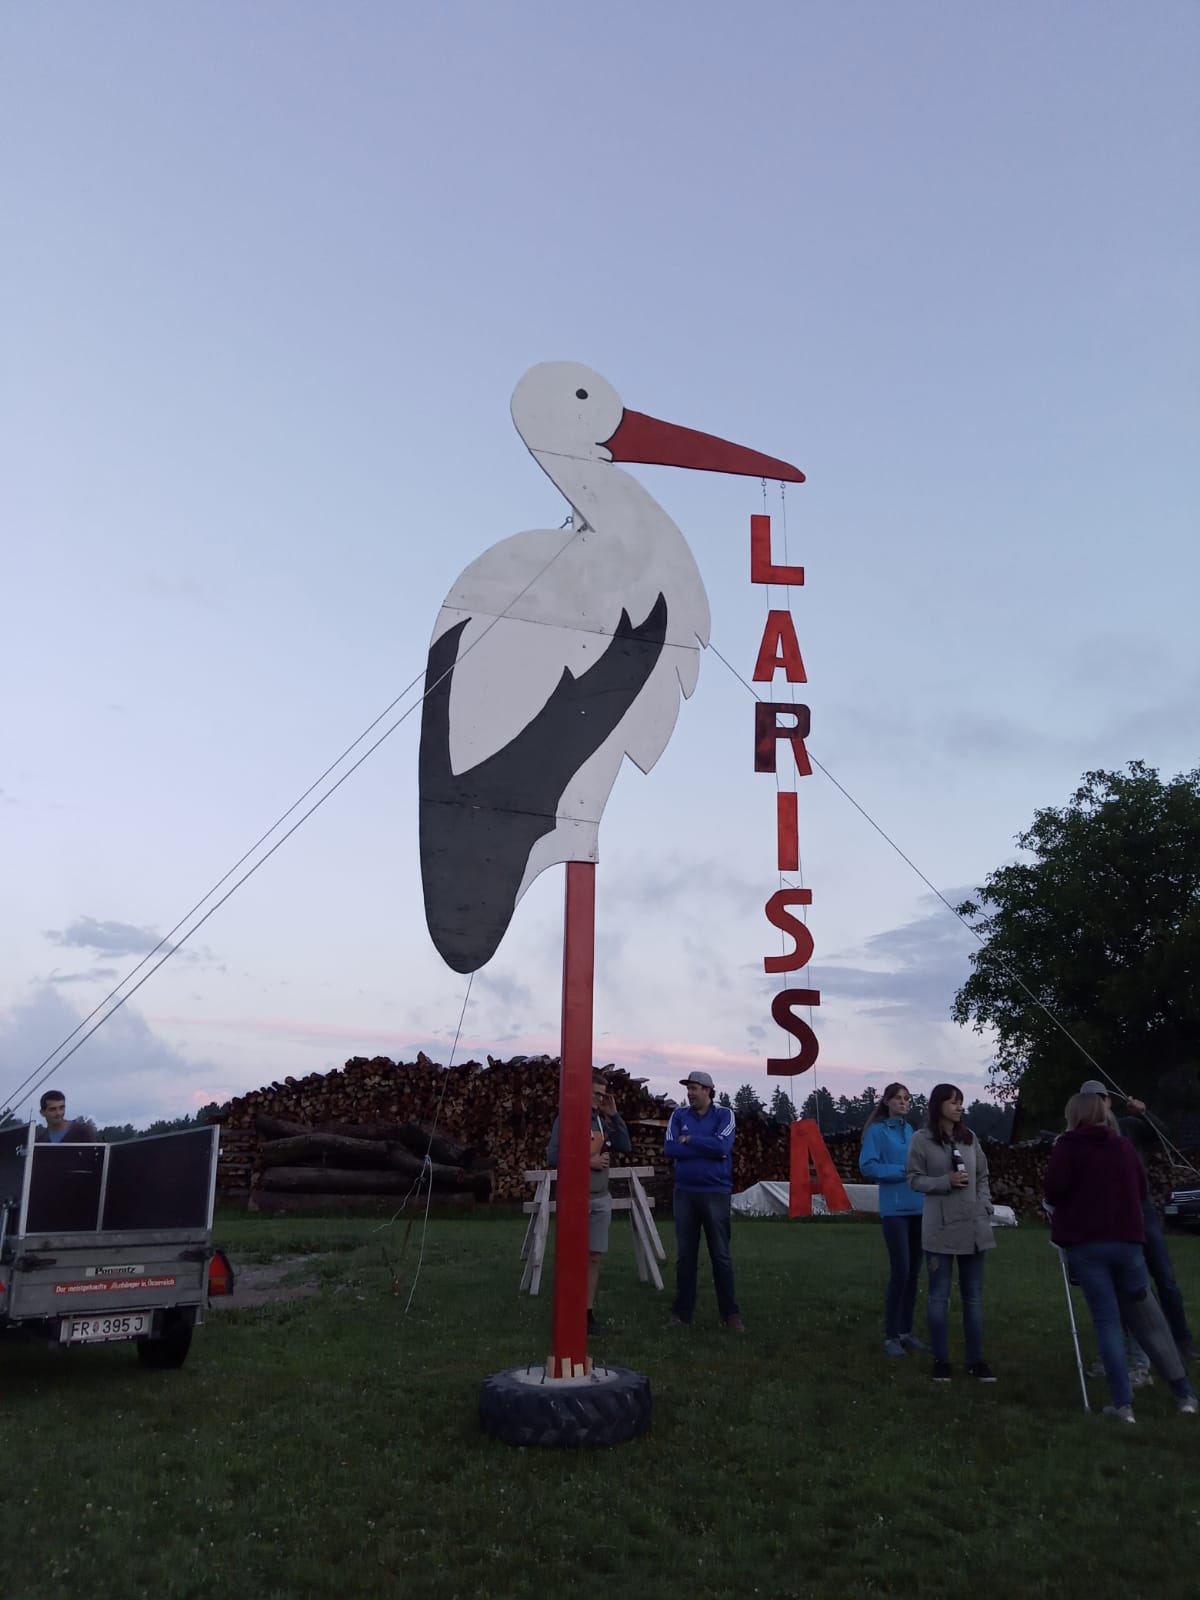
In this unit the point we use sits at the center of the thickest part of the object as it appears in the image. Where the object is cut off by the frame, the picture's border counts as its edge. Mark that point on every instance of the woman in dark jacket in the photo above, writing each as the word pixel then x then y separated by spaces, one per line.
pixel 1096 1185
pixel 947 1165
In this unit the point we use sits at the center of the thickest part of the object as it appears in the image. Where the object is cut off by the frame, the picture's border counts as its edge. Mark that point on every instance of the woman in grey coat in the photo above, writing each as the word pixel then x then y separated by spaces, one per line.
pixel 947 1165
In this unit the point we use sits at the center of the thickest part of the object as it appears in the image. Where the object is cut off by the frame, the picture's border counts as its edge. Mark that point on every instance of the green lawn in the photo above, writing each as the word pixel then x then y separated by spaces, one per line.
pixel 329 1447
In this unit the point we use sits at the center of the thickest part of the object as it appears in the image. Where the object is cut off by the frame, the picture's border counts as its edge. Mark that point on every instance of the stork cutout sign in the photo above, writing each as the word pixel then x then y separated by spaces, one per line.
pixel 557 653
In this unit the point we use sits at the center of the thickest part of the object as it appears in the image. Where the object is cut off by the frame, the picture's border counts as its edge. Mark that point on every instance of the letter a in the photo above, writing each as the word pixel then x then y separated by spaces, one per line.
pixel 779 648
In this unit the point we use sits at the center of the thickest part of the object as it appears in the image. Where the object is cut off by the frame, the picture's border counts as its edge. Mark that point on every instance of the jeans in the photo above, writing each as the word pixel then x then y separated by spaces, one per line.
pixel 1116 1286
pixel 708 1214
pixel 902 1235
pixel 1158 1263
pixel 937 1309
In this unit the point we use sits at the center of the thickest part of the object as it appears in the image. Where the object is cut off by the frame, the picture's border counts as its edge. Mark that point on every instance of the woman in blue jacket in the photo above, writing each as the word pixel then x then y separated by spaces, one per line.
pixel 883 1156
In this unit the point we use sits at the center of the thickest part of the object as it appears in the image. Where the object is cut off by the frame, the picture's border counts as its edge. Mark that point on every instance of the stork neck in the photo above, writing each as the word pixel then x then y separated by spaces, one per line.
pixel 596 489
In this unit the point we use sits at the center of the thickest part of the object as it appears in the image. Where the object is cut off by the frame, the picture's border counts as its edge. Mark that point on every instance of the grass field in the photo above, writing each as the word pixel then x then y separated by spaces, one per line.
pixel 328 1446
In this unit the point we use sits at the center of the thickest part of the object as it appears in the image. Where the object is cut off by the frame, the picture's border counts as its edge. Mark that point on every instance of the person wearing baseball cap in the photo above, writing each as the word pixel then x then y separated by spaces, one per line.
pixel 700 1142
pixel 1097 1188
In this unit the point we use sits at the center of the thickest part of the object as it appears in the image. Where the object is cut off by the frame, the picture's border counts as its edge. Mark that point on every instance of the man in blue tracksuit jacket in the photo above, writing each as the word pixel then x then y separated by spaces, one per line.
pixel 700 1142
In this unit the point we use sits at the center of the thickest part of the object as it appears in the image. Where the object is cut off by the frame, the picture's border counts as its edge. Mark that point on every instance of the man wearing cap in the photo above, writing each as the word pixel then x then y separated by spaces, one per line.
pixel 700 1142
pixel 1143 1130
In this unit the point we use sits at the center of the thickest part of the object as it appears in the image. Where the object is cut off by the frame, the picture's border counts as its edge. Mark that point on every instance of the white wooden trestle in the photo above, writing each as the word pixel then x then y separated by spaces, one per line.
pixel 646 1242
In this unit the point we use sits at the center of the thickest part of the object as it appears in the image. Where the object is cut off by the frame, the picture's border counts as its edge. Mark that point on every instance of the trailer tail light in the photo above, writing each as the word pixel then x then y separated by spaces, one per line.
pixel 220 1275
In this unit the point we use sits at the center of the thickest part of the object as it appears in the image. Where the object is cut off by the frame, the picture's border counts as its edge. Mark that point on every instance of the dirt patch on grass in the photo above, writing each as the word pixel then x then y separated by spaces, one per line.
pixel 259 1283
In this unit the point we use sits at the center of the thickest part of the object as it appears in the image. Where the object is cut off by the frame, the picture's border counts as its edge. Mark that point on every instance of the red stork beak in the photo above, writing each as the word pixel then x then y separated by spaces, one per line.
pixel 663 444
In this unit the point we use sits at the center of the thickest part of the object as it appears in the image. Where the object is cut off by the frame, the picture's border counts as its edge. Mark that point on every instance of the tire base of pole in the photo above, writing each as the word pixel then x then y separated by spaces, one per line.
pixel 523 1406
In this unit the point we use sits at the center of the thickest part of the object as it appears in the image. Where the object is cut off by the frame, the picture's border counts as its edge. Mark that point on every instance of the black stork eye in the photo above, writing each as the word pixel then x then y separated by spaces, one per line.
pixel 581 394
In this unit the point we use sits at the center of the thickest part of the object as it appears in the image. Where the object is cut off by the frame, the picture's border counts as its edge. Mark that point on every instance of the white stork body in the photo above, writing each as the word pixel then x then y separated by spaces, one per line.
pixel 550 600
pixel 557 653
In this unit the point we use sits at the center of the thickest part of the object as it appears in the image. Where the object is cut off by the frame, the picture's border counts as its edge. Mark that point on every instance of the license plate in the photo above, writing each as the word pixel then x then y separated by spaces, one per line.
pixel 123 1325
pixel 1171 1211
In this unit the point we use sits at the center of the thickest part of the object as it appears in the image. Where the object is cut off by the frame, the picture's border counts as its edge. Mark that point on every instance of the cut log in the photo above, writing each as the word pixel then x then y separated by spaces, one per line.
pixel 326 1150
pixel 334 1180
pixel 277 1200
pixel 278 1128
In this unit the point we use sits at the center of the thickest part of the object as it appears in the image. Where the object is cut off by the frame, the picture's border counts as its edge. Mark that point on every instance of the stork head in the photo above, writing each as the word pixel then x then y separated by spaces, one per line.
pixel 564 408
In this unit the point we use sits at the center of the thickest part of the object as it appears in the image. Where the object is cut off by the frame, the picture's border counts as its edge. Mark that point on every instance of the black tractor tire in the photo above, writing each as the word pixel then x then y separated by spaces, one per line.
pixel 170 1349
pixel 573 1414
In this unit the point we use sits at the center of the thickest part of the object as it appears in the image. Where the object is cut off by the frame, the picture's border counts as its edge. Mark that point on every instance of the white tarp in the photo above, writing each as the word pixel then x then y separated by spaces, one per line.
pixel 770 1199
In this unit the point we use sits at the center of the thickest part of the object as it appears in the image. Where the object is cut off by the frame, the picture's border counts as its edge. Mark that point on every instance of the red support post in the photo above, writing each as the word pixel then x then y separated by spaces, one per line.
pixel 569 1338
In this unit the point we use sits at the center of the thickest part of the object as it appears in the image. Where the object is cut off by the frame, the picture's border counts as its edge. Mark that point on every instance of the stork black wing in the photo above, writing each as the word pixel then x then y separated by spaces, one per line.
pixel 478 826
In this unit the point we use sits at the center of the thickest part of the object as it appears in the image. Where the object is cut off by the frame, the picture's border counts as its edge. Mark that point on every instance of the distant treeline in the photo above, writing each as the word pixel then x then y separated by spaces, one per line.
pixel 847 1113
pixel 116 1133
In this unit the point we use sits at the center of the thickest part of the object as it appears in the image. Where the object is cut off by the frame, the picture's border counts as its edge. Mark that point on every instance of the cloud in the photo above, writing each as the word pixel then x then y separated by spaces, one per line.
pixel 113 938
pixel 910 972
pixel 667 883
pixel 499 986
pixel 124 1073
pixel 92 975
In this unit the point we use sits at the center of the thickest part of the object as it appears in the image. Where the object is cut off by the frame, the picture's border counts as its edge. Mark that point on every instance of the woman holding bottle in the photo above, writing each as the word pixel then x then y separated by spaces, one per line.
pixel 882 1158
pixel 947 1165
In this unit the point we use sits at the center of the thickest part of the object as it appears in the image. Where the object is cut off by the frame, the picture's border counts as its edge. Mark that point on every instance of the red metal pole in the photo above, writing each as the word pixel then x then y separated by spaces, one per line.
pixel 569 1339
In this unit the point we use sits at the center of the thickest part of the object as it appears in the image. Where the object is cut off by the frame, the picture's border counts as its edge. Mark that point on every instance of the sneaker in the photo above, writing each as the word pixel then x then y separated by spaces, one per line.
pixel 1188 1351
pixel 1140 1378
pixel 1189 1407
pixel 1096 1370
pixel 911 1342
pixel 894 1347
pixel 675 1322
pixel 942 1372
pixel 735 1324
pixel 1120 1413
pixel 981 1372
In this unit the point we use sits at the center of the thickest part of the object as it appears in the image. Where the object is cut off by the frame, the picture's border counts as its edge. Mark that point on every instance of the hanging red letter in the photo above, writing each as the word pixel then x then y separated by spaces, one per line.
pixel 787 829
pixel 781 1010
pixel 779 648
pixel 761 570
pixel 767 733
pixel 780 917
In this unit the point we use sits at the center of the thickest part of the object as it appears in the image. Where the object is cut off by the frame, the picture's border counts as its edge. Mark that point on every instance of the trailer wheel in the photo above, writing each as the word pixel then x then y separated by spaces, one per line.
pixel 170 1349
pixel 522 1407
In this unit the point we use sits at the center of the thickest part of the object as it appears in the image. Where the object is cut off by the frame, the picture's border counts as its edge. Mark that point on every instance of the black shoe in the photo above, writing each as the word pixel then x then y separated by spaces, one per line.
pixel 942 1372
pixel 981 1372
pixel 594 1326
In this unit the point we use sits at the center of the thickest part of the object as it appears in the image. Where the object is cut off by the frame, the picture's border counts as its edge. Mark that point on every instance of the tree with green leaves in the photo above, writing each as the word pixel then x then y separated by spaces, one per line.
pixel 1094 938
pixel 781 1108
pixel 724 1100
pixel 746 1102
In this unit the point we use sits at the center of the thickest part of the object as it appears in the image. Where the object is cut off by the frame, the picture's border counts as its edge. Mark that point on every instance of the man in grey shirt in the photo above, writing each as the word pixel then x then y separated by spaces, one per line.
pixel 609 1135
pixel 58 1129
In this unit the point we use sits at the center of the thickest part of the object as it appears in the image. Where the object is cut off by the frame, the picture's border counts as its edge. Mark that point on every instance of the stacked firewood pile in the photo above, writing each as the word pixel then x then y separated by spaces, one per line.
pixel 363 1131
pixel 288 1138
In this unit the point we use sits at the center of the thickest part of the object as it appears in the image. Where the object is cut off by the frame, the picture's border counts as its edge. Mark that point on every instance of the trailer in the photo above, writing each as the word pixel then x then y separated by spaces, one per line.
pixel 109 1243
